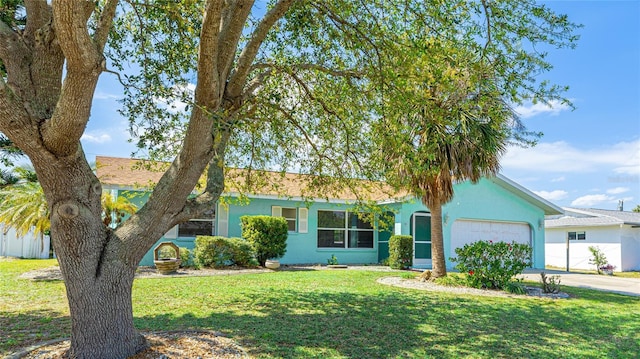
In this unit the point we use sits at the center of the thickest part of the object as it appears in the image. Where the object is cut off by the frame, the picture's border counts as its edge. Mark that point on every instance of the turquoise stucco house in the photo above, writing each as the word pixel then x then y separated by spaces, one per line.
pixel 492 209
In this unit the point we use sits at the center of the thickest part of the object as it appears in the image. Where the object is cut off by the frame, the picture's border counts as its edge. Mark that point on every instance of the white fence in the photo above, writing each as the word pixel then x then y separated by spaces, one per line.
pixel 27 246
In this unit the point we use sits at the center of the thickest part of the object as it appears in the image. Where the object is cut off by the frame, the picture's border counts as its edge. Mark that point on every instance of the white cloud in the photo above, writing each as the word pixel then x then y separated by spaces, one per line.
pixel 591 200
pixel 617 190
pixel 562 157
pixel 552 195
pixel 176 105
pixel 96 137
pixel 558 179
pixel 529 110
pixel 100 95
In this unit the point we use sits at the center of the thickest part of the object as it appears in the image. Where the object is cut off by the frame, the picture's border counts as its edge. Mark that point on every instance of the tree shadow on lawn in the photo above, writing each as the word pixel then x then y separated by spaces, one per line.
pixel 19 330
pixel 405 323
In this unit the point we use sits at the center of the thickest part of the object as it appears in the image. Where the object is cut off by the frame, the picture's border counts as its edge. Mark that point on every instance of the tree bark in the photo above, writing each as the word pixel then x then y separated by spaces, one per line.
pixel 46 117
pixel 101 309
pixel 439 268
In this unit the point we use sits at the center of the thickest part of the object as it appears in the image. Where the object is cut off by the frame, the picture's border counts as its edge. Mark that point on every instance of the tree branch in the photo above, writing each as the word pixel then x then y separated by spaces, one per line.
pixel 104 24
pixel 315 67
pixel 232 23
pixel 208 88
pixel 39 14
pixel 248 54
pixel 70 21
pixel 61 134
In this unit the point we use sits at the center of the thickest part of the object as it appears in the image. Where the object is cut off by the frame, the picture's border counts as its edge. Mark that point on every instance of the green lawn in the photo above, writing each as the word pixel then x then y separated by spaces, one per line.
pixel 342 314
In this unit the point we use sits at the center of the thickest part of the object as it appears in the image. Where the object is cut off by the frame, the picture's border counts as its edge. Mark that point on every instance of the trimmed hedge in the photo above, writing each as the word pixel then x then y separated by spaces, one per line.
pixel 267 234
pixel 219 252
pixel 400 251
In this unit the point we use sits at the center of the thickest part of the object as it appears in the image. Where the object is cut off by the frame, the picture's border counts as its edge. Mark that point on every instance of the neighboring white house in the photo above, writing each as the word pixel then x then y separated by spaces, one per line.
pixel 27 246
pixel 616 233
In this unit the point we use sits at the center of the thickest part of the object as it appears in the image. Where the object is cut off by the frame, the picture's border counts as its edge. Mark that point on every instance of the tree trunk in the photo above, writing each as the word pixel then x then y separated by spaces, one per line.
pixel 439 268
pixel 101 312
pixel 97 266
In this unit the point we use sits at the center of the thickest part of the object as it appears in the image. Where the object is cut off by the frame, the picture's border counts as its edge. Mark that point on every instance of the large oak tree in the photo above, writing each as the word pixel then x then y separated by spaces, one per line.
pixel 289 84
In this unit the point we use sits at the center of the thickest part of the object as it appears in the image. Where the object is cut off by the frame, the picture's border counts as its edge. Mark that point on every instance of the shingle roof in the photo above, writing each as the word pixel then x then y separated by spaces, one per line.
pixel 579 217
pixel 135 173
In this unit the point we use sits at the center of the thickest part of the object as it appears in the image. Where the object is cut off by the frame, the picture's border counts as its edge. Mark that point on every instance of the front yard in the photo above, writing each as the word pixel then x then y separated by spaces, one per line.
pixel 341 314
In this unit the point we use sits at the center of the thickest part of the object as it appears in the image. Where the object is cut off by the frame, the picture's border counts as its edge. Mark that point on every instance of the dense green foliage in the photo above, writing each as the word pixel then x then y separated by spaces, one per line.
pixel 267 234
pixel 303 314
pixel 400 251
pixel 186 258
pixel 220 252
pixel 492 265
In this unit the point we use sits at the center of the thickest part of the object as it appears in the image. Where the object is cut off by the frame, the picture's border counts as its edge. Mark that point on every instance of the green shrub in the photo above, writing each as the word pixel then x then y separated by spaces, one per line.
pixel 550 284
pixel 597 257
pixel 167 252
pixel 452 280
pixel 333 260
pixel 492 265
pixel 267 234
pixel 400 251
pixel 186 258
pixel 220 252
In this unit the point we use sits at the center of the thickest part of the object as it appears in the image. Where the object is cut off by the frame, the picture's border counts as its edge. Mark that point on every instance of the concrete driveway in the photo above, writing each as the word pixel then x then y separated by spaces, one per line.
pixel 626 286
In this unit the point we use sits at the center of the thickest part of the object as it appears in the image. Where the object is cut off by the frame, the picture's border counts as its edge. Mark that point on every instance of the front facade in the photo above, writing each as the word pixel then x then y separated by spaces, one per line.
pixel 615 233
pixel 493 209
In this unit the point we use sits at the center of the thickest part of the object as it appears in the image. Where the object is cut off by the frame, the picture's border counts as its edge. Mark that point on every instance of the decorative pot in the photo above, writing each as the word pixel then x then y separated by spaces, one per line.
pixel 166 265
pixel 272 264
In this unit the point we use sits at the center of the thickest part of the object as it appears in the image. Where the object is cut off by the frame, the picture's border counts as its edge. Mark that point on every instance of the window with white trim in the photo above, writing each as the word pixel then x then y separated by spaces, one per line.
pixel 342 229
pixel 296 217
pixel 581 236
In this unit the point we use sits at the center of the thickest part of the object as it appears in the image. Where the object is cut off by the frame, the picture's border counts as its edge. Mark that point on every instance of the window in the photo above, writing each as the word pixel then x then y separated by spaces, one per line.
pixel 290 215
pixel 581 236
pixel 196 227
pixel 341 229
pixel 296 217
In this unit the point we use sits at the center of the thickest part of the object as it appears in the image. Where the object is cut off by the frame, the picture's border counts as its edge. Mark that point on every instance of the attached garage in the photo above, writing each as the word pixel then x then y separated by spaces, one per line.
pixel 469 231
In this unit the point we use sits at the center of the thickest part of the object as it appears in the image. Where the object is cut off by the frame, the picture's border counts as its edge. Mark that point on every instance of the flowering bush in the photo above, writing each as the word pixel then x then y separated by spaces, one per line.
pixel 492 265
pixel 607 267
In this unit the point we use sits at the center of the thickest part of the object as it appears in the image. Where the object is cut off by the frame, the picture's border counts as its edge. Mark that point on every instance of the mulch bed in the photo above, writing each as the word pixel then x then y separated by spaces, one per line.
pixel 162 345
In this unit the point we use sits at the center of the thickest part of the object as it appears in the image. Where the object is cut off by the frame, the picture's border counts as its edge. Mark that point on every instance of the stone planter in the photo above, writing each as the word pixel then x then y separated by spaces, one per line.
pixel 272 264
pixel 166 265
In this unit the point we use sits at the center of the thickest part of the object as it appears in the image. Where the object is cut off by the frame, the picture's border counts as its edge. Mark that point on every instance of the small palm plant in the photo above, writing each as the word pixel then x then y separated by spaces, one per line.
pixel 114 210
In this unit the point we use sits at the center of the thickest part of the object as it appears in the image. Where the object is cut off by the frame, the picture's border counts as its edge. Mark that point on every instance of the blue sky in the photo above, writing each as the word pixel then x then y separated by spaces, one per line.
pixel 588 157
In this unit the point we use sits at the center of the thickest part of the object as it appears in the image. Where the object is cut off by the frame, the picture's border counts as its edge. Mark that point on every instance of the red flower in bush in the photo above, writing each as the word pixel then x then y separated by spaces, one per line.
pixel 491 242
pixel 470 272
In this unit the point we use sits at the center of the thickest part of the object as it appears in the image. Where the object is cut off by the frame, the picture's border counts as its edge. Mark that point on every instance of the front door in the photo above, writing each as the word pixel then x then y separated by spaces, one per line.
pixel 421 239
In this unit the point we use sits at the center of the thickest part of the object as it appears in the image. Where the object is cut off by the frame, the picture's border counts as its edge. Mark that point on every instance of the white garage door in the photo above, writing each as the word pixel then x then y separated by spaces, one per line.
pixel 468 231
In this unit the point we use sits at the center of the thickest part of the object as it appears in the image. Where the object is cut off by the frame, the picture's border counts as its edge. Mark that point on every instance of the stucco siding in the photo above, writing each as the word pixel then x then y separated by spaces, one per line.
pixel 606 238
pixel 484 201
pixel 630 238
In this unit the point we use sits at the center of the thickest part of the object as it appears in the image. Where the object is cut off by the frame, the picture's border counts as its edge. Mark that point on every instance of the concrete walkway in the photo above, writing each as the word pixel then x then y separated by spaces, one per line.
pixel 627 286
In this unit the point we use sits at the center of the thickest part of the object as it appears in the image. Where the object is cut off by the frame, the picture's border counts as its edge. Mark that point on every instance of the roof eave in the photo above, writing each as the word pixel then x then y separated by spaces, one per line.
pixel 513 187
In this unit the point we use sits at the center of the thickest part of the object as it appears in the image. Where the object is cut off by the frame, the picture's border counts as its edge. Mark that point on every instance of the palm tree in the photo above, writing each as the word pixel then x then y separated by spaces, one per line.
pixel 23 206
pixel 116 209
pixel 448 124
